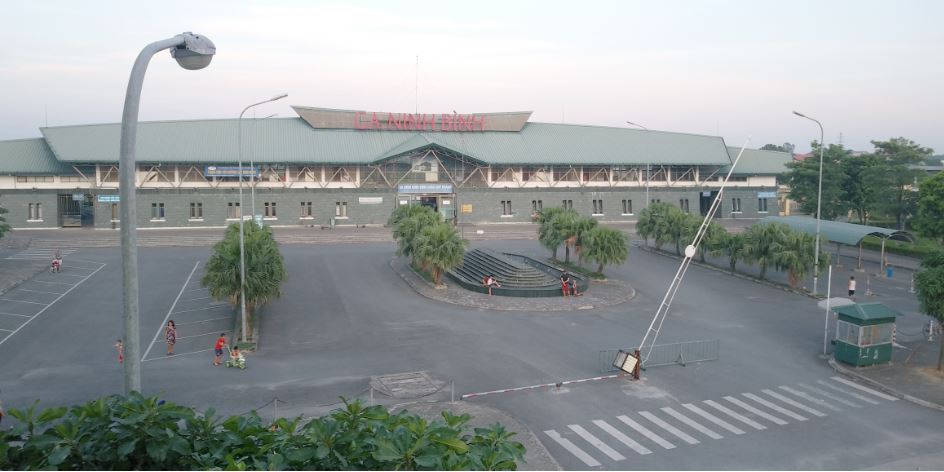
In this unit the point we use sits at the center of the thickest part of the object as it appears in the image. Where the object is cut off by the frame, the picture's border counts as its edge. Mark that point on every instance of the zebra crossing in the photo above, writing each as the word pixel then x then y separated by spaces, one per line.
pixel 41 253
pixel 709 420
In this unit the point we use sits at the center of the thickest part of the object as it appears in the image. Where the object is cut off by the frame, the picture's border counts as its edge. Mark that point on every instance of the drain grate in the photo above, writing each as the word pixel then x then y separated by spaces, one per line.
pixel 406 384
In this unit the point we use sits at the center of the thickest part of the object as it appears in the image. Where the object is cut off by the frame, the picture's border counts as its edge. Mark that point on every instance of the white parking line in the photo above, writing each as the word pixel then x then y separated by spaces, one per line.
pixel 161 328
pixel 59 274
pixel 53 283
pixel 808 397
pixel 672 429
pixel 645 432
pixel 775 407
pixel 865 389
pixel 38 291
pixel 572 448
pixel 204 321
pixel 714 419
pixel 177 354
pixel 762 414
pixel 40 312
pixel 622 437
pixel 199 309
pixel 195 336
pixel 14 314
pixel 195 299
pixel 595 442
pixel 22 301
pixel 694 425
pixel 8 330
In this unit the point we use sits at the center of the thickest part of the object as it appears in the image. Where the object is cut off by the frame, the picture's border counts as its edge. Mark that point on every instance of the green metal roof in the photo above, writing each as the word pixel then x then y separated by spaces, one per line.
pixel 838 232
pixel 867 311
pixel 30 156
pixel 759 162
pixel 292 140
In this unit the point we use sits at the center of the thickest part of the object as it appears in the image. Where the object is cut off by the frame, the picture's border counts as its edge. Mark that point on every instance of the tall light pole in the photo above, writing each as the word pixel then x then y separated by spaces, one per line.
pixel 819 198
pixel 242 242
pixel 648 158
pixel 252 153
pixel 192 52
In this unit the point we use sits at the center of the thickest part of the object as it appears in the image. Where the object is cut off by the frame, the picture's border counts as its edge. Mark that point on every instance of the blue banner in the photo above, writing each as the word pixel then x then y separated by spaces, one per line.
pixel 233 171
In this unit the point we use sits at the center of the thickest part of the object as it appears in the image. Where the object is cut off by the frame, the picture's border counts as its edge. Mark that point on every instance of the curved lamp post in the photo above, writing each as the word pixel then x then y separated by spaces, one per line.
pixel 819 198
pixel 192 52
pixel 242 242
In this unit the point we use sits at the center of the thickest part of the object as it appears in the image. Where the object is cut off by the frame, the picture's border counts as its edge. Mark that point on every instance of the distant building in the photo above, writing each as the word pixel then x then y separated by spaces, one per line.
pixel 355 167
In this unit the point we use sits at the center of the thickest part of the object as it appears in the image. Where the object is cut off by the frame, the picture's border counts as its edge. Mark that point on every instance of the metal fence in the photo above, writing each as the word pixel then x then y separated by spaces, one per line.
pixel 667 354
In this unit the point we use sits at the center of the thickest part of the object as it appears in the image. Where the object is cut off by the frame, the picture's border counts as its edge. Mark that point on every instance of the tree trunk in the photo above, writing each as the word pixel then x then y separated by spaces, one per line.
pixel 678 249
pixel 567 253
pixel 763 271
pixel 733 262
pixel 600 270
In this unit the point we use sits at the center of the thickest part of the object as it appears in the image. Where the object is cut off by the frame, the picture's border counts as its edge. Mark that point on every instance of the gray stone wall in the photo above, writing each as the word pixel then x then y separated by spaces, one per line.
pixel 486 205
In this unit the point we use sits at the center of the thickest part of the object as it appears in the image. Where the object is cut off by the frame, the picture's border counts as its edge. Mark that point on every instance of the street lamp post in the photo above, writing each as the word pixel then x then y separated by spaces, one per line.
pixel 242 242
pixel 819 198
pixel 648 159
pixel 192 52
pixel 252 153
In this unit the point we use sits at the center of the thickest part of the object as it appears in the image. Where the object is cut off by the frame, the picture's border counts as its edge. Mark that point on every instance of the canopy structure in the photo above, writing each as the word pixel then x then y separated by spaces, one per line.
pixel 842 233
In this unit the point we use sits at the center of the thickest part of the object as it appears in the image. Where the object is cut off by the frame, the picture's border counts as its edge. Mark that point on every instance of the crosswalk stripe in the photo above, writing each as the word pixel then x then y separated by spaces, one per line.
pixel 853 394
pixel 595 442
pixel 808 397
pixel 645 432
pixel 794 403
pixel 830 396
pixel 864 389
pixel 775 407
pixel 572 448
pixel 672 429
pixel 622 437
pixel 690 422
pixel 714 419
pixel 761 413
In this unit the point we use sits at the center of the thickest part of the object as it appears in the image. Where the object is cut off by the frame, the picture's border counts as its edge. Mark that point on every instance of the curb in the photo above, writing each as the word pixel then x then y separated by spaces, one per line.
pixel 904 396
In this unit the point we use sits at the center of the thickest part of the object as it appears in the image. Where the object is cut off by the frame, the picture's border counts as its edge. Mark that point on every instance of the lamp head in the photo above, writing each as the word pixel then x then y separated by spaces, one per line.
pixel 278 97
pixel 196 52
pixel 799 114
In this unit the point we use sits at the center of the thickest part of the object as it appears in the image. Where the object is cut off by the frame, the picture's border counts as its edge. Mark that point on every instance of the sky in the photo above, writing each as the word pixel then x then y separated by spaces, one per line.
pixel 868 70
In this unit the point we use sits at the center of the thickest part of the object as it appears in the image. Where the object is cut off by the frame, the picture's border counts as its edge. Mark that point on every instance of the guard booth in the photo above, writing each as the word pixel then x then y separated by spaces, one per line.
pixel 864 333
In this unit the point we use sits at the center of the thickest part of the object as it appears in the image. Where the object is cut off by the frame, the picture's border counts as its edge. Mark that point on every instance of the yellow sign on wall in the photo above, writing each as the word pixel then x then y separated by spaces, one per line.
pixel 466 208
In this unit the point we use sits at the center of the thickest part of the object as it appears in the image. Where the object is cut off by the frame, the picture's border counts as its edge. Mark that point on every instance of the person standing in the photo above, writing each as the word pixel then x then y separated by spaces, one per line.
pixel 170 335
pixel 120 347
pixel 565 283
pixel 218 349
pixel 852 287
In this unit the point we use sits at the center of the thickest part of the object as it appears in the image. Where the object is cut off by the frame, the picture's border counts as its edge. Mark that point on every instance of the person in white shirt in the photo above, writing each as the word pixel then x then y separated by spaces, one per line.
pixel 852 288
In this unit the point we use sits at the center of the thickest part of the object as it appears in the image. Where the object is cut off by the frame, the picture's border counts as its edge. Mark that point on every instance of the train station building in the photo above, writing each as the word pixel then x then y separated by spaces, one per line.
pixel 350 167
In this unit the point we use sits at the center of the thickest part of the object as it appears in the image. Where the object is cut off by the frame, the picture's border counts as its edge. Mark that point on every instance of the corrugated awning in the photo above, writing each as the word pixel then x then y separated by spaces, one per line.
pixel 838 232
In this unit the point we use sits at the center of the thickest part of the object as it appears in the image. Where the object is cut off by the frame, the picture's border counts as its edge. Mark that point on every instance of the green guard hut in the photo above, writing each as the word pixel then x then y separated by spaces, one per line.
pixel 864 333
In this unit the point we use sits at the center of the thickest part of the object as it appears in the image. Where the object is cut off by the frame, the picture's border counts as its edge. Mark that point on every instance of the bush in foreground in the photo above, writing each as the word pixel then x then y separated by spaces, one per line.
pixel 141 433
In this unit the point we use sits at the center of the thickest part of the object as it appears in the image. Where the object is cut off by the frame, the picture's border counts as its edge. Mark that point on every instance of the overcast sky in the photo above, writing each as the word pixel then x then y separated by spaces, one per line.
pixel 867 70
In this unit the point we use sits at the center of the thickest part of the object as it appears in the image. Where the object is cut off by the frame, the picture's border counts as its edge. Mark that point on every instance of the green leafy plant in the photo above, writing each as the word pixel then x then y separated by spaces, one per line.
pixel 606 246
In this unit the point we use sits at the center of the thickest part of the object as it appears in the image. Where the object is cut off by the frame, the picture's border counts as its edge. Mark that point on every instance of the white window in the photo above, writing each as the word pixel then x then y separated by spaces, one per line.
pixel 340 209
pixel 233 211
pixel 683 204
pixel 270 210
pixel 537 206
pixel 114 212
pixel 36 212
pixel 306 210
pixel 506 208
pixel 762 205
pixel 196 210
pixel 157 211
pixel 736 205
pixel 627 207
pixel 598 207
pixel 568 204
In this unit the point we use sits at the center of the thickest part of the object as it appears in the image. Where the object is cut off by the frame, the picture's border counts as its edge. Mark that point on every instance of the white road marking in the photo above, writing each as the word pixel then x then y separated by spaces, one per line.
pixel 177 354
pixel 195 299
pixel 645 432
pixel 198 309
pixel 595 442
pixel 196 335
pixel 762 414
pixel 865 389
pixel 572 448
pixel 714 419
pixel 161 328
pixel 692 423
pixel 40 312
pixel 203 321
pixel 622 437
pixel 38 291
pixel 794 403
pixel 830 396
pixel 60 274
pixel 14 314
pixel 7 330
pixel 775 407
pixel 22 301
pixel 853 394
pixel 808 397
pixel 672 429
pixel 53 283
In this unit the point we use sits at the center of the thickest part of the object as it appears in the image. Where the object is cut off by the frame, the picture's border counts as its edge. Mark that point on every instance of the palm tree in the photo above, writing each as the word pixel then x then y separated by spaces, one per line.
pixel 551 222
pixel 606 246
pixel 439 248
pixel 654 223
pixel 645 225
pixel 576 234
pixel 403 212
pixel 762 242
pixel 265 270
pixel 796 256
pixel 677 226
pixel 731 245
pixel 713 239
pixel 408 227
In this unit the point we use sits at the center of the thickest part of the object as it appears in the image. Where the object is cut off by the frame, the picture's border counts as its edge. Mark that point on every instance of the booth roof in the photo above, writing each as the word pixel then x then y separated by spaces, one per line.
pixel 866 311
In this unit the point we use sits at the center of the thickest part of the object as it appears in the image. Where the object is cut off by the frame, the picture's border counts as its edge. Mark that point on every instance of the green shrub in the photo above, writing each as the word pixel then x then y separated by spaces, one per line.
pixel 142 433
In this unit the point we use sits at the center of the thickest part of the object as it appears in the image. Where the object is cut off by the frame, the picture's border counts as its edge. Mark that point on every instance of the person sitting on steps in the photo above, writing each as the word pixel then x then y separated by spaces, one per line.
pixel 491 282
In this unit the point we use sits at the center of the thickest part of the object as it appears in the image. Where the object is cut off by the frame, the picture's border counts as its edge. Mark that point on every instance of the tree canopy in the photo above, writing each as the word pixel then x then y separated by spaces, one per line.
pixel 930 218
pixel 929 284
pixel 4 227
pixel 803 179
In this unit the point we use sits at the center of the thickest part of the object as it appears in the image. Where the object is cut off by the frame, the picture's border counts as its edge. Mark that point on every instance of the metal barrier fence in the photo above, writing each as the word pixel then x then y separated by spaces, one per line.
pixel 667 354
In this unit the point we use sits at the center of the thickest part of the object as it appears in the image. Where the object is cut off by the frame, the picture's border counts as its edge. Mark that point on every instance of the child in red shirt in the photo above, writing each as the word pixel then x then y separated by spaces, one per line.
pixel 218 349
